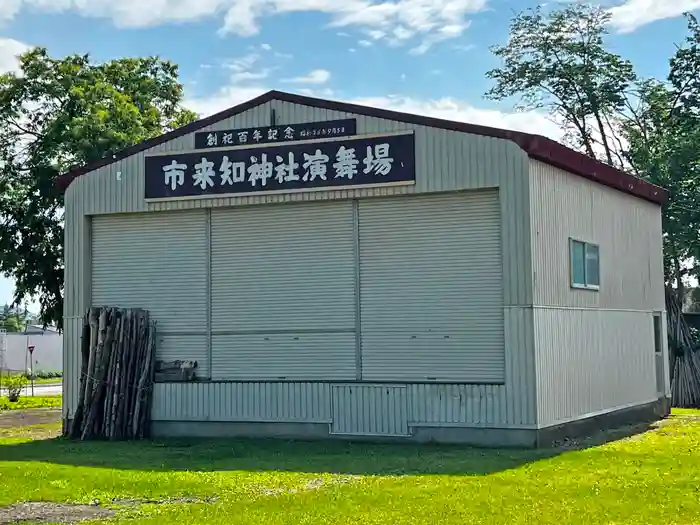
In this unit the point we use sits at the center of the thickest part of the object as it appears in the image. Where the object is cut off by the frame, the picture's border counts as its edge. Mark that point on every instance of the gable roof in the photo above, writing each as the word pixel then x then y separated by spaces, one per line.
pixel 536 146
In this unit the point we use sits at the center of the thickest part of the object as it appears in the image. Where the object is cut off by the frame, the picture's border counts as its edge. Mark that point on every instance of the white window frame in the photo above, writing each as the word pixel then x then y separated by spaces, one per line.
pixel 582 286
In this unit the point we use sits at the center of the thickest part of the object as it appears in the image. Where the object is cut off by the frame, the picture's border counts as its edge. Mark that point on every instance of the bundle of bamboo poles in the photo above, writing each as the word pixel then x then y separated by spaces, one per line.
pixel 684 357
pixel 117 370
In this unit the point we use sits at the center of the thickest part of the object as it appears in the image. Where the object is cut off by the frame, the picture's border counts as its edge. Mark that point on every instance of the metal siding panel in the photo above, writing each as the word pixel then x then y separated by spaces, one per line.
pixel 519 405
pixel 72 335
pixel 590 361
pixel 283 302
pixel 431 288
pixel 370 410
pixel 445 161
pixel 242 402
pixel 625 228
pixel 593 350
pixel 156 261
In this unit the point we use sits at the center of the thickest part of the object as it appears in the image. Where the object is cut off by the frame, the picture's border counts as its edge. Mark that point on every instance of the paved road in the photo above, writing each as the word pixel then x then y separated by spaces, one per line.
pixel 44 390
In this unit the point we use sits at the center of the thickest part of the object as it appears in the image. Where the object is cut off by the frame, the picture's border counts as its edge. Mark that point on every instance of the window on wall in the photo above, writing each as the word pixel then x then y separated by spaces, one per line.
pixel 585 265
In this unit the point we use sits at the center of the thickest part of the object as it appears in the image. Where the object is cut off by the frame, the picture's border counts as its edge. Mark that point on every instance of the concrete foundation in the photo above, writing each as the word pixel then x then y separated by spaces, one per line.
pixel 482 437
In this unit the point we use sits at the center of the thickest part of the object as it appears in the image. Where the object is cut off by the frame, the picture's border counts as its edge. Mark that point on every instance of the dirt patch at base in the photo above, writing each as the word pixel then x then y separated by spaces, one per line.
pixel 25 418
pixel 51 513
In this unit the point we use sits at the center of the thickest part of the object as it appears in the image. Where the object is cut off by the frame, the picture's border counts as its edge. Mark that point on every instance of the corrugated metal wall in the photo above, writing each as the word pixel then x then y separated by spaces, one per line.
pixel 445 161
pixel 594 349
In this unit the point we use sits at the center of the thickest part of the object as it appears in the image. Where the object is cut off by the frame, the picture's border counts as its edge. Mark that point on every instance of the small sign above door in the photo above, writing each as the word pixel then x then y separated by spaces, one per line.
pixel 273 134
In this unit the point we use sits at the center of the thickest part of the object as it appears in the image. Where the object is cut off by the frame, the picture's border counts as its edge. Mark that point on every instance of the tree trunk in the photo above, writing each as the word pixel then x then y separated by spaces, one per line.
pixel 680 287
pixel 604 138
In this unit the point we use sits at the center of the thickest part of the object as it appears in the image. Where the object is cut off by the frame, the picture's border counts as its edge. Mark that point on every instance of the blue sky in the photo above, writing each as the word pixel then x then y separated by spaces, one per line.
pixel 421 56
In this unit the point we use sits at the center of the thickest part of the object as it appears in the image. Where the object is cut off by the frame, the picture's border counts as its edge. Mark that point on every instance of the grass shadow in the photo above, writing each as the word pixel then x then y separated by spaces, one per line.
pixel 333 457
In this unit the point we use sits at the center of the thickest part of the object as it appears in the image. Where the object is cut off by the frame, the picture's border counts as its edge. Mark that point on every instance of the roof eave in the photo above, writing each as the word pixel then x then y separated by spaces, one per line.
pixel 537 147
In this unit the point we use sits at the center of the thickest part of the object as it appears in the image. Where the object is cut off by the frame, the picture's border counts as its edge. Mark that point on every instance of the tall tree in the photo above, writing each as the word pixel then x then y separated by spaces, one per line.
pixel 557 61
pixel 56 114
pixel 663 138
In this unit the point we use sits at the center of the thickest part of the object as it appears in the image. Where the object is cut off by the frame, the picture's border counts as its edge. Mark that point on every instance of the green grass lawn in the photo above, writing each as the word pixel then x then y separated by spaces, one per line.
pixel 46 381
pixel 648 478
pixel 28 402
pixel 49 381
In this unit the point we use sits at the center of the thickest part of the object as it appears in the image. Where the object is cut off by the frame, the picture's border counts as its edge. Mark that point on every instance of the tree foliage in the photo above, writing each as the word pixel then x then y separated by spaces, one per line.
pixel 663 145
pixel 558 61
pixel 12 320
pixel 56 114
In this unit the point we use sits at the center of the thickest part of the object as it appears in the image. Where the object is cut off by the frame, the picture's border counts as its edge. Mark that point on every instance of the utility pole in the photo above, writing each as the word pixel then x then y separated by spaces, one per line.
pixel 3 353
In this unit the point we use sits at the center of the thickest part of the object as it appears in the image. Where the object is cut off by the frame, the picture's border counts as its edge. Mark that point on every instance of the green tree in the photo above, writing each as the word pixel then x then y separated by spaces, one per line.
pixel 663 138
pixel 56 114
pixel 557 61
pixel 12 323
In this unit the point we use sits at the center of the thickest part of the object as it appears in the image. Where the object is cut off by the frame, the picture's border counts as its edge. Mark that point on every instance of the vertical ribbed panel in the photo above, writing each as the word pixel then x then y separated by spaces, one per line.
pixel 156 261
pixel 72 334
pixel 445 161
pixel 589 361
pixel 484 406
pixel 626 229
pixel 432 288
pixel 517 405
pixel 283 292
pixel 594 349
pixel 253 402
pixel 370 410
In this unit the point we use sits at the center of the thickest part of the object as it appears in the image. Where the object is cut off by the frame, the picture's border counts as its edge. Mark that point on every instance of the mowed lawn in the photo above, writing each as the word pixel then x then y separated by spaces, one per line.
pixel 651 477
pixel 29 402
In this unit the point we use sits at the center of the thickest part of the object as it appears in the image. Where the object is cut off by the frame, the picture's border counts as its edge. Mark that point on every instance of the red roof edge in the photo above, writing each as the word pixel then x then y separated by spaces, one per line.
pixel 536 146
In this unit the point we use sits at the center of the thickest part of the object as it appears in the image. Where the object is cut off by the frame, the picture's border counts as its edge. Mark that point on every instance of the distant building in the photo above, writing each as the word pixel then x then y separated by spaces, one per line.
pixel 47 355
pixel 40 329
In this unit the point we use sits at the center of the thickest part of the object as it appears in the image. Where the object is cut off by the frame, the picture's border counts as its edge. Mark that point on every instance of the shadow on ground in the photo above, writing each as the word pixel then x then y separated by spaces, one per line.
pixel 295 456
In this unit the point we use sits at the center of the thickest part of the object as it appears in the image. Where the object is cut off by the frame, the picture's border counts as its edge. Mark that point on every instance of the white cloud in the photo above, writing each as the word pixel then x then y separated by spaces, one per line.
pixel 243 69
pixel 266 47
pixel 9 51
pixel 365 43
pixel 395 21
pixel 317 76
pixel 448 108
pixel 634 14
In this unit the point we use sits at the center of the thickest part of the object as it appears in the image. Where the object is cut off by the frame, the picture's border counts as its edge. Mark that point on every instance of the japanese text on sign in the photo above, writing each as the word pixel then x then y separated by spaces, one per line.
pixel 375 160
pixel 264 135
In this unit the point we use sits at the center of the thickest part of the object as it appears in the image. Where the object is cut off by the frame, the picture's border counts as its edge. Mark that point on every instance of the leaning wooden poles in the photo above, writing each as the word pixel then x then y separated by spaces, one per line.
pixel 117 372
pixel 684 357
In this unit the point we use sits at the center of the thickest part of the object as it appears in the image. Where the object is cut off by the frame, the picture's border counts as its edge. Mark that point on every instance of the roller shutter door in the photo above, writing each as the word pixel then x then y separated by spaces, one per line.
pixel 156 261
pixel 431 288
pixel 283 292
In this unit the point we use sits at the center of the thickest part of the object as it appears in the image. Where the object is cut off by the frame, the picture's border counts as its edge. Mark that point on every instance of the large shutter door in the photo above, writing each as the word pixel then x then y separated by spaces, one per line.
pixel 431 288
pixel 283 299
pixel 156 261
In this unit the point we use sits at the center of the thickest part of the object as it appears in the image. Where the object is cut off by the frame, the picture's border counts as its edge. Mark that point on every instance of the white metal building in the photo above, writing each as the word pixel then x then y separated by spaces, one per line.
pixel 441 281
pixel 47 355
